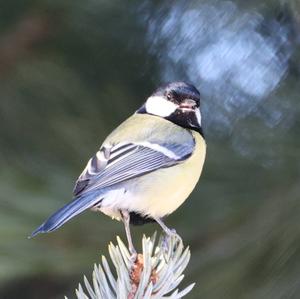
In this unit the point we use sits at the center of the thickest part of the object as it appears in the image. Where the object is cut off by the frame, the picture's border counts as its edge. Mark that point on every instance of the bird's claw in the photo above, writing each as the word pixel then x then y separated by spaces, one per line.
pixel 170 234
pixel 133 257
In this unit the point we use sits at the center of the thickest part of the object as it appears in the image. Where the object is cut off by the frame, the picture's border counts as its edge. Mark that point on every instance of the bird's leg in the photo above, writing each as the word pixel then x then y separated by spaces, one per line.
pixel 126 220
pixel 169 232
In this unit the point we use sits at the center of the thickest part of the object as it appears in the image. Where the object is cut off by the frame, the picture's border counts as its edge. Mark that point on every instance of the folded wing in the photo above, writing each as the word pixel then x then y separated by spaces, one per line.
pixel 126 161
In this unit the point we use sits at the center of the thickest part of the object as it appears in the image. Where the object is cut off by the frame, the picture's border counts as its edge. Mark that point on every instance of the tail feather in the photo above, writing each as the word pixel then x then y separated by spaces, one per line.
pixel 66 213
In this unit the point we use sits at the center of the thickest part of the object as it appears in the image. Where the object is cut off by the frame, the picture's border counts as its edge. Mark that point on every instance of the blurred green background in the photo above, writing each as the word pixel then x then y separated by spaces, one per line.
pixel 71 71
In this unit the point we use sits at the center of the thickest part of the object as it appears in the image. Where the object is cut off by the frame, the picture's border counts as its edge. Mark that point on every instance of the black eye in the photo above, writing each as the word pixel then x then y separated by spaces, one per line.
pixel 169 96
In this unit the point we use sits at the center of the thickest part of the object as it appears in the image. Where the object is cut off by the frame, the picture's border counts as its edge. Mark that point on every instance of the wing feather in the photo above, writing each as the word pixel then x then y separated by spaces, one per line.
pixel 124 161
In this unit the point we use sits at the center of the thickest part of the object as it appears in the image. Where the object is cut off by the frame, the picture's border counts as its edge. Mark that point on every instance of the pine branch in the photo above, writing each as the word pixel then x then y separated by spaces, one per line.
pixel 155 274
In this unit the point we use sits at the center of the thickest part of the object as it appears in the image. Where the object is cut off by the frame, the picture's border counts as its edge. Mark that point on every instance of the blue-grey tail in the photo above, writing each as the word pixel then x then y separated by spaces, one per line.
pixel 66 213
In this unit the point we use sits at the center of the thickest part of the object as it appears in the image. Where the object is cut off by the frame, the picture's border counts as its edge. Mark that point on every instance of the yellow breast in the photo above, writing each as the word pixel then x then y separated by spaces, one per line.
pixel 161 192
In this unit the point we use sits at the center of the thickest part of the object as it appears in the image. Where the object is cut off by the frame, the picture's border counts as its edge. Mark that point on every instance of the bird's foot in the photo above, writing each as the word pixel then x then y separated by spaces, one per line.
pixel 133 253
pixel 133 256
pixel 173 234
pixel 169 234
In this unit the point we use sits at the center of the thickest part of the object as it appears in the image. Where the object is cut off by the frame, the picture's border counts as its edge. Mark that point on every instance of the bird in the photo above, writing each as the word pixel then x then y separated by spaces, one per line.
pixel 147 167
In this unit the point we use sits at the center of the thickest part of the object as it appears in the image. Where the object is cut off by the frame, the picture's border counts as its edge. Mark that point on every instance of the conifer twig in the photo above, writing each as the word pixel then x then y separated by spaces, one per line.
pixel 156 273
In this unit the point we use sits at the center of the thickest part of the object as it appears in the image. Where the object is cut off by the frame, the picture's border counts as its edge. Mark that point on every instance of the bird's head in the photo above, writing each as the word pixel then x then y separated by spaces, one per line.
pixel 178 102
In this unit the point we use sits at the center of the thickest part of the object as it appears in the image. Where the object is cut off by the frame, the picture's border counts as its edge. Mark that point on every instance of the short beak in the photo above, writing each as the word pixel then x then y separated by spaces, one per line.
pixel 188 104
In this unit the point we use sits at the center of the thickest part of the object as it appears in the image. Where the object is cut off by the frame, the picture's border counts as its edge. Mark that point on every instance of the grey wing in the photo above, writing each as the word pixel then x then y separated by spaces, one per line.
pixel 124 161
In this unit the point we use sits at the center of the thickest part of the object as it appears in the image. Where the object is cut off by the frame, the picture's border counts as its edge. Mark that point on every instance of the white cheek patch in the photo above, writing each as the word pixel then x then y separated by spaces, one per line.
pixel 159 106
pixel 198 116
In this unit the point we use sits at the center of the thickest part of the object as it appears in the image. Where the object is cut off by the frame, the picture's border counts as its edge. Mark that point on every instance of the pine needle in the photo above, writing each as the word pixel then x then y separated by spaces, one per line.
pixel 155 274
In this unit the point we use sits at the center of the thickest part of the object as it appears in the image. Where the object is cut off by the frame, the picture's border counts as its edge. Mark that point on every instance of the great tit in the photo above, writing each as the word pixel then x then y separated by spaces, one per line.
pixel 147 167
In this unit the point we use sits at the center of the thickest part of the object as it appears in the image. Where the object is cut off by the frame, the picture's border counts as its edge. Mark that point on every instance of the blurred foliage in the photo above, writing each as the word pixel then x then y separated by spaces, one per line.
pixel 69 73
